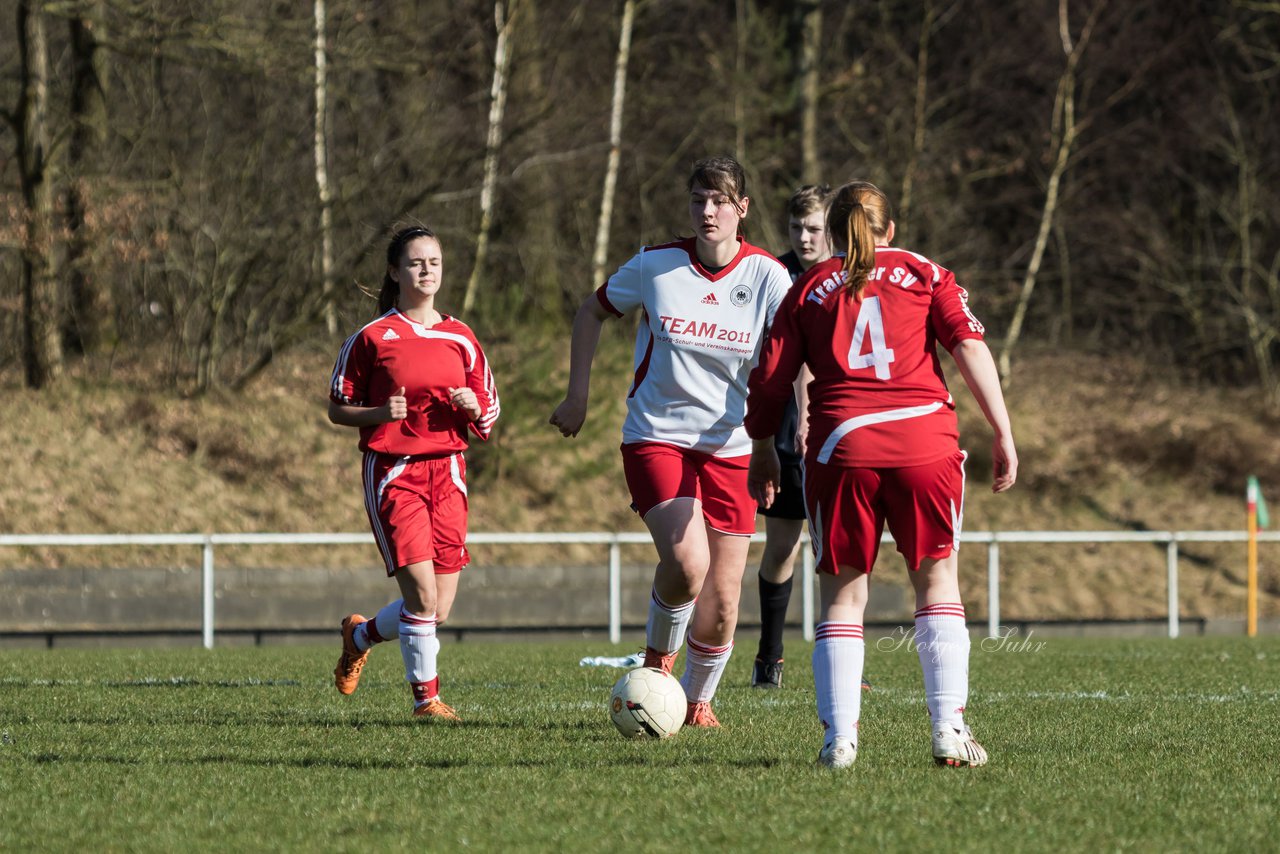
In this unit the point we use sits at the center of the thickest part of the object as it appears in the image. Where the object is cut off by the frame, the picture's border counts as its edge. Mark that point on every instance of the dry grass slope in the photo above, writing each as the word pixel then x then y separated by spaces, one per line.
pixel 1103 444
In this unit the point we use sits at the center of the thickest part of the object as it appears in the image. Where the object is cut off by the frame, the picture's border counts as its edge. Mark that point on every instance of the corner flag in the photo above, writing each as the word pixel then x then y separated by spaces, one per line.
pixel 1257 503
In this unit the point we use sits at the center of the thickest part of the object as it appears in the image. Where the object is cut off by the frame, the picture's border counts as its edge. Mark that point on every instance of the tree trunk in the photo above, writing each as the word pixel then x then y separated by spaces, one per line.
pixel 918 120
pixel 740 27
pixel 599 256
pixel 1064 112
pixel 497 106
pixel 328 288
pixel 807 74
pixel 89 321
pixel 41 340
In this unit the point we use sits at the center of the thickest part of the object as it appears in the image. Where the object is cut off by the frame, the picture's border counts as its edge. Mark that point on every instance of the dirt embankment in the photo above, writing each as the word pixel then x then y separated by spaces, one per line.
pixel 1104 445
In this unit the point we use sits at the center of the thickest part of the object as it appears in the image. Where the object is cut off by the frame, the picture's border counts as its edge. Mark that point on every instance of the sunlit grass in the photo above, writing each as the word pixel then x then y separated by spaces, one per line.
pixel 1140 745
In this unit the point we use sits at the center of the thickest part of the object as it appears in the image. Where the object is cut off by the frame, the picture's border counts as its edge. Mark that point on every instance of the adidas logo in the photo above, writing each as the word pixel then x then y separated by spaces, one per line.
pixel 390 335
pixel 710 299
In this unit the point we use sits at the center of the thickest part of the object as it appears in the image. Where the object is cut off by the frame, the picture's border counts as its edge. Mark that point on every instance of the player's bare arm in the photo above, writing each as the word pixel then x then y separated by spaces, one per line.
pixel 572 411
pixel 978 368
pixel 802 407
pixel 395 409
pixel 764 474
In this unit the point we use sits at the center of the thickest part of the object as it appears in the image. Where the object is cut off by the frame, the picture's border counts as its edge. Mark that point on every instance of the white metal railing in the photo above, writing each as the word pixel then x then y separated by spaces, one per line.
pixel 615 541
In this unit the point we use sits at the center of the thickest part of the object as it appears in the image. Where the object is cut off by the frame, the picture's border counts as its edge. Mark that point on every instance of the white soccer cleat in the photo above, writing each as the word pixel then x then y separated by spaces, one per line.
pixel 840 753
pixel 957 747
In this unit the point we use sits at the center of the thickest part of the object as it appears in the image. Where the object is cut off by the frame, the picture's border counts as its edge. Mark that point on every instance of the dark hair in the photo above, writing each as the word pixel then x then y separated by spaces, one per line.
pixel 723 174
pixel 390 293
pixel 811 198
pixel 858 215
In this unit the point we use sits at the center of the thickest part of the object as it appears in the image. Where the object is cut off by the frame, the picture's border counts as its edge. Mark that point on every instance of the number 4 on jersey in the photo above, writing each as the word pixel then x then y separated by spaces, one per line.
pixel 870 320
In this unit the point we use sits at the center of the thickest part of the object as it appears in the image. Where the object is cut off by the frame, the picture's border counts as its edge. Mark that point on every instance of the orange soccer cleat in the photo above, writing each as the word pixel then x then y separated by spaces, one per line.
pixel 437 709
pixel 346 676
pixel 664 661
pixel 700 714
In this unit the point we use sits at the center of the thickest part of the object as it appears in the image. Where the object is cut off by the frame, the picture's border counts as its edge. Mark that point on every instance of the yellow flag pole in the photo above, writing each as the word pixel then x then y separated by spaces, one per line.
pixel 1251 603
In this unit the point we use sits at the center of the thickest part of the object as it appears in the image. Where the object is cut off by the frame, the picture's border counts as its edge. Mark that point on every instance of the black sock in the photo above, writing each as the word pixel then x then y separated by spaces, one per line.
pixel 773 616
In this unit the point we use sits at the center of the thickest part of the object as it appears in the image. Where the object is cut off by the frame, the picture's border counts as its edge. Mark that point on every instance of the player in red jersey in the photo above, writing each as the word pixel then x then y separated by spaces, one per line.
pixel 415 382
pixel 883 446
pixel 706 303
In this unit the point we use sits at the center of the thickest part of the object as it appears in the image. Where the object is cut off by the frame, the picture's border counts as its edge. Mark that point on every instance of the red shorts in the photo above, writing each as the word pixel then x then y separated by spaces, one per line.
pixel 418 509
pixel 657 472
pixel 848 509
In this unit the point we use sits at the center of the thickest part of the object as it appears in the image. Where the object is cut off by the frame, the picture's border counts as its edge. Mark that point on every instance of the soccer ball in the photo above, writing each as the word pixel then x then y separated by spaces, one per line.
pixel 647 703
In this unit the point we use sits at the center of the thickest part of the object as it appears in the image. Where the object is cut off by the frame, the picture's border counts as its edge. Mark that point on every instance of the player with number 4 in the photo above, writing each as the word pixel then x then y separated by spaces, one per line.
pixel 883 447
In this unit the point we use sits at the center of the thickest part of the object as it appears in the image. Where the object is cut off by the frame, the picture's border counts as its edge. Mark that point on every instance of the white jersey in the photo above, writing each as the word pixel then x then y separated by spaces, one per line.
pixel 698 340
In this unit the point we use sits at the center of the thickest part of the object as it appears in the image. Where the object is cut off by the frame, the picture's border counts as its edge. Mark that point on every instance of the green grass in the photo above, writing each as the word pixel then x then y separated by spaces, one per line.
pixel 1096 745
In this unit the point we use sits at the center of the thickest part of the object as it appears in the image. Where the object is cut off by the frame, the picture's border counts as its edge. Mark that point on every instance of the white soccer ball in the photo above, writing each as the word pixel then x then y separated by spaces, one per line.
pixel 647 703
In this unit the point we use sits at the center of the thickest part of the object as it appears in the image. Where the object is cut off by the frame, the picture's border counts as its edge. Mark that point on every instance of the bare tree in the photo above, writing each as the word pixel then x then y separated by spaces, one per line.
pixel 42 342
pixel 807 58
pixel 918 115
pixel 600 255
pixel 493 145
pixel 90 321
pixel 322 172
pixel 1063 133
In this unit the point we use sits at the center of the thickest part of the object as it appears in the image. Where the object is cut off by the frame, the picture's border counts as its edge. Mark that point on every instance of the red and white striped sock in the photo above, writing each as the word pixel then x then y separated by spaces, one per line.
pixel 942 642
pixel 703 666
pixel 419 647
pixel 667 624
pixel 384 626
pixel 838 655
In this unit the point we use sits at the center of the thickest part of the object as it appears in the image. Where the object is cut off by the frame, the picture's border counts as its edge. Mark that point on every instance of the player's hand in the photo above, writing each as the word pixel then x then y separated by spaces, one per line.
pixel 397 406
pixel 569 416
pixel 764 474
pixel 466 400
pixel 802 437
pixel 1005 464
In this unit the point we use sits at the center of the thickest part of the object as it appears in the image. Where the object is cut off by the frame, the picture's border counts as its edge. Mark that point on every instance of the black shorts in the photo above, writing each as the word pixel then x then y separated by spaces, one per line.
pixel 788 504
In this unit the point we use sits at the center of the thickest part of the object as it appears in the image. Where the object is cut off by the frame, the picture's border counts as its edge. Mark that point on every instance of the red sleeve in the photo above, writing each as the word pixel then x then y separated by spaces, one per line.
pixel 350 382
pixel 480 380
pixel 769 387
pixel 603 298
pixel 949 313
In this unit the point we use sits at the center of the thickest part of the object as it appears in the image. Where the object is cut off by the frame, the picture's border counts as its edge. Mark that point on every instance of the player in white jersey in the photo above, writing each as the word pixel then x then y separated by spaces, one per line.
pixel 707 303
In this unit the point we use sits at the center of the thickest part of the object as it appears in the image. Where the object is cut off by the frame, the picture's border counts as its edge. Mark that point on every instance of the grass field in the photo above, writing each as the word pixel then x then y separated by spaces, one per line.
pixel 1099 745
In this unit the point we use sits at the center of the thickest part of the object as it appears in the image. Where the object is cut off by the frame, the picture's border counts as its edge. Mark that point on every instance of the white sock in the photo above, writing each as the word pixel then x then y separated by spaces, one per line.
pixel 942 642
pixel 667 624
pixel 838 656
pixel 703 667
pixel 419 646
pixel 386 623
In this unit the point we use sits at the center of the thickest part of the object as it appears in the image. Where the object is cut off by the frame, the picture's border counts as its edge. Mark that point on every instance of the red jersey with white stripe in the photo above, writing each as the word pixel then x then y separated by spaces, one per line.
pixel 393 352
pixel 698 339
pixel 878 396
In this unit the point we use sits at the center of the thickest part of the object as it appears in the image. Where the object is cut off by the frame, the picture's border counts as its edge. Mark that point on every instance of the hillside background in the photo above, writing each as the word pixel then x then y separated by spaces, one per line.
pixel 194 206
pixel 1103 446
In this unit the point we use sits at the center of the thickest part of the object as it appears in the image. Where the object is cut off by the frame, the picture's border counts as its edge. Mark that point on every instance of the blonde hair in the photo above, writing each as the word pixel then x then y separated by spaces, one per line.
pixel 859 215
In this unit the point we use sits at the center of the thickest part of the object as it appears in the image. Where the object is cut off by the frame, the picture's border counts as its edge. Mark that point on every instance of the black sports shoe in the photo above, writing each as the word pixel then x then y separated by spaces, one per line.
pixel 766 674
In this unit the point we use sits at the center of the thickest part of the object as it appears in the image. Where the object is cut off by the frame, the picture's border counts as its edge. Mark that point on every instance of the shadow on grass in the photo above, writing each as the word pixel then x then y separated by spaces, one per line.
pixel 222 759
pixel 408 763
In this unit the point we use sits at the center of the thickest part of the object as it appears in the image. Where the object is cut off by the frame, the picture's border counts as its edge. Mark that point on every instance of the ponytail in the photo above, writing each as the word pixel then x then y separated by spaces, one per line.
pixel 859 215
pixel 389 295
